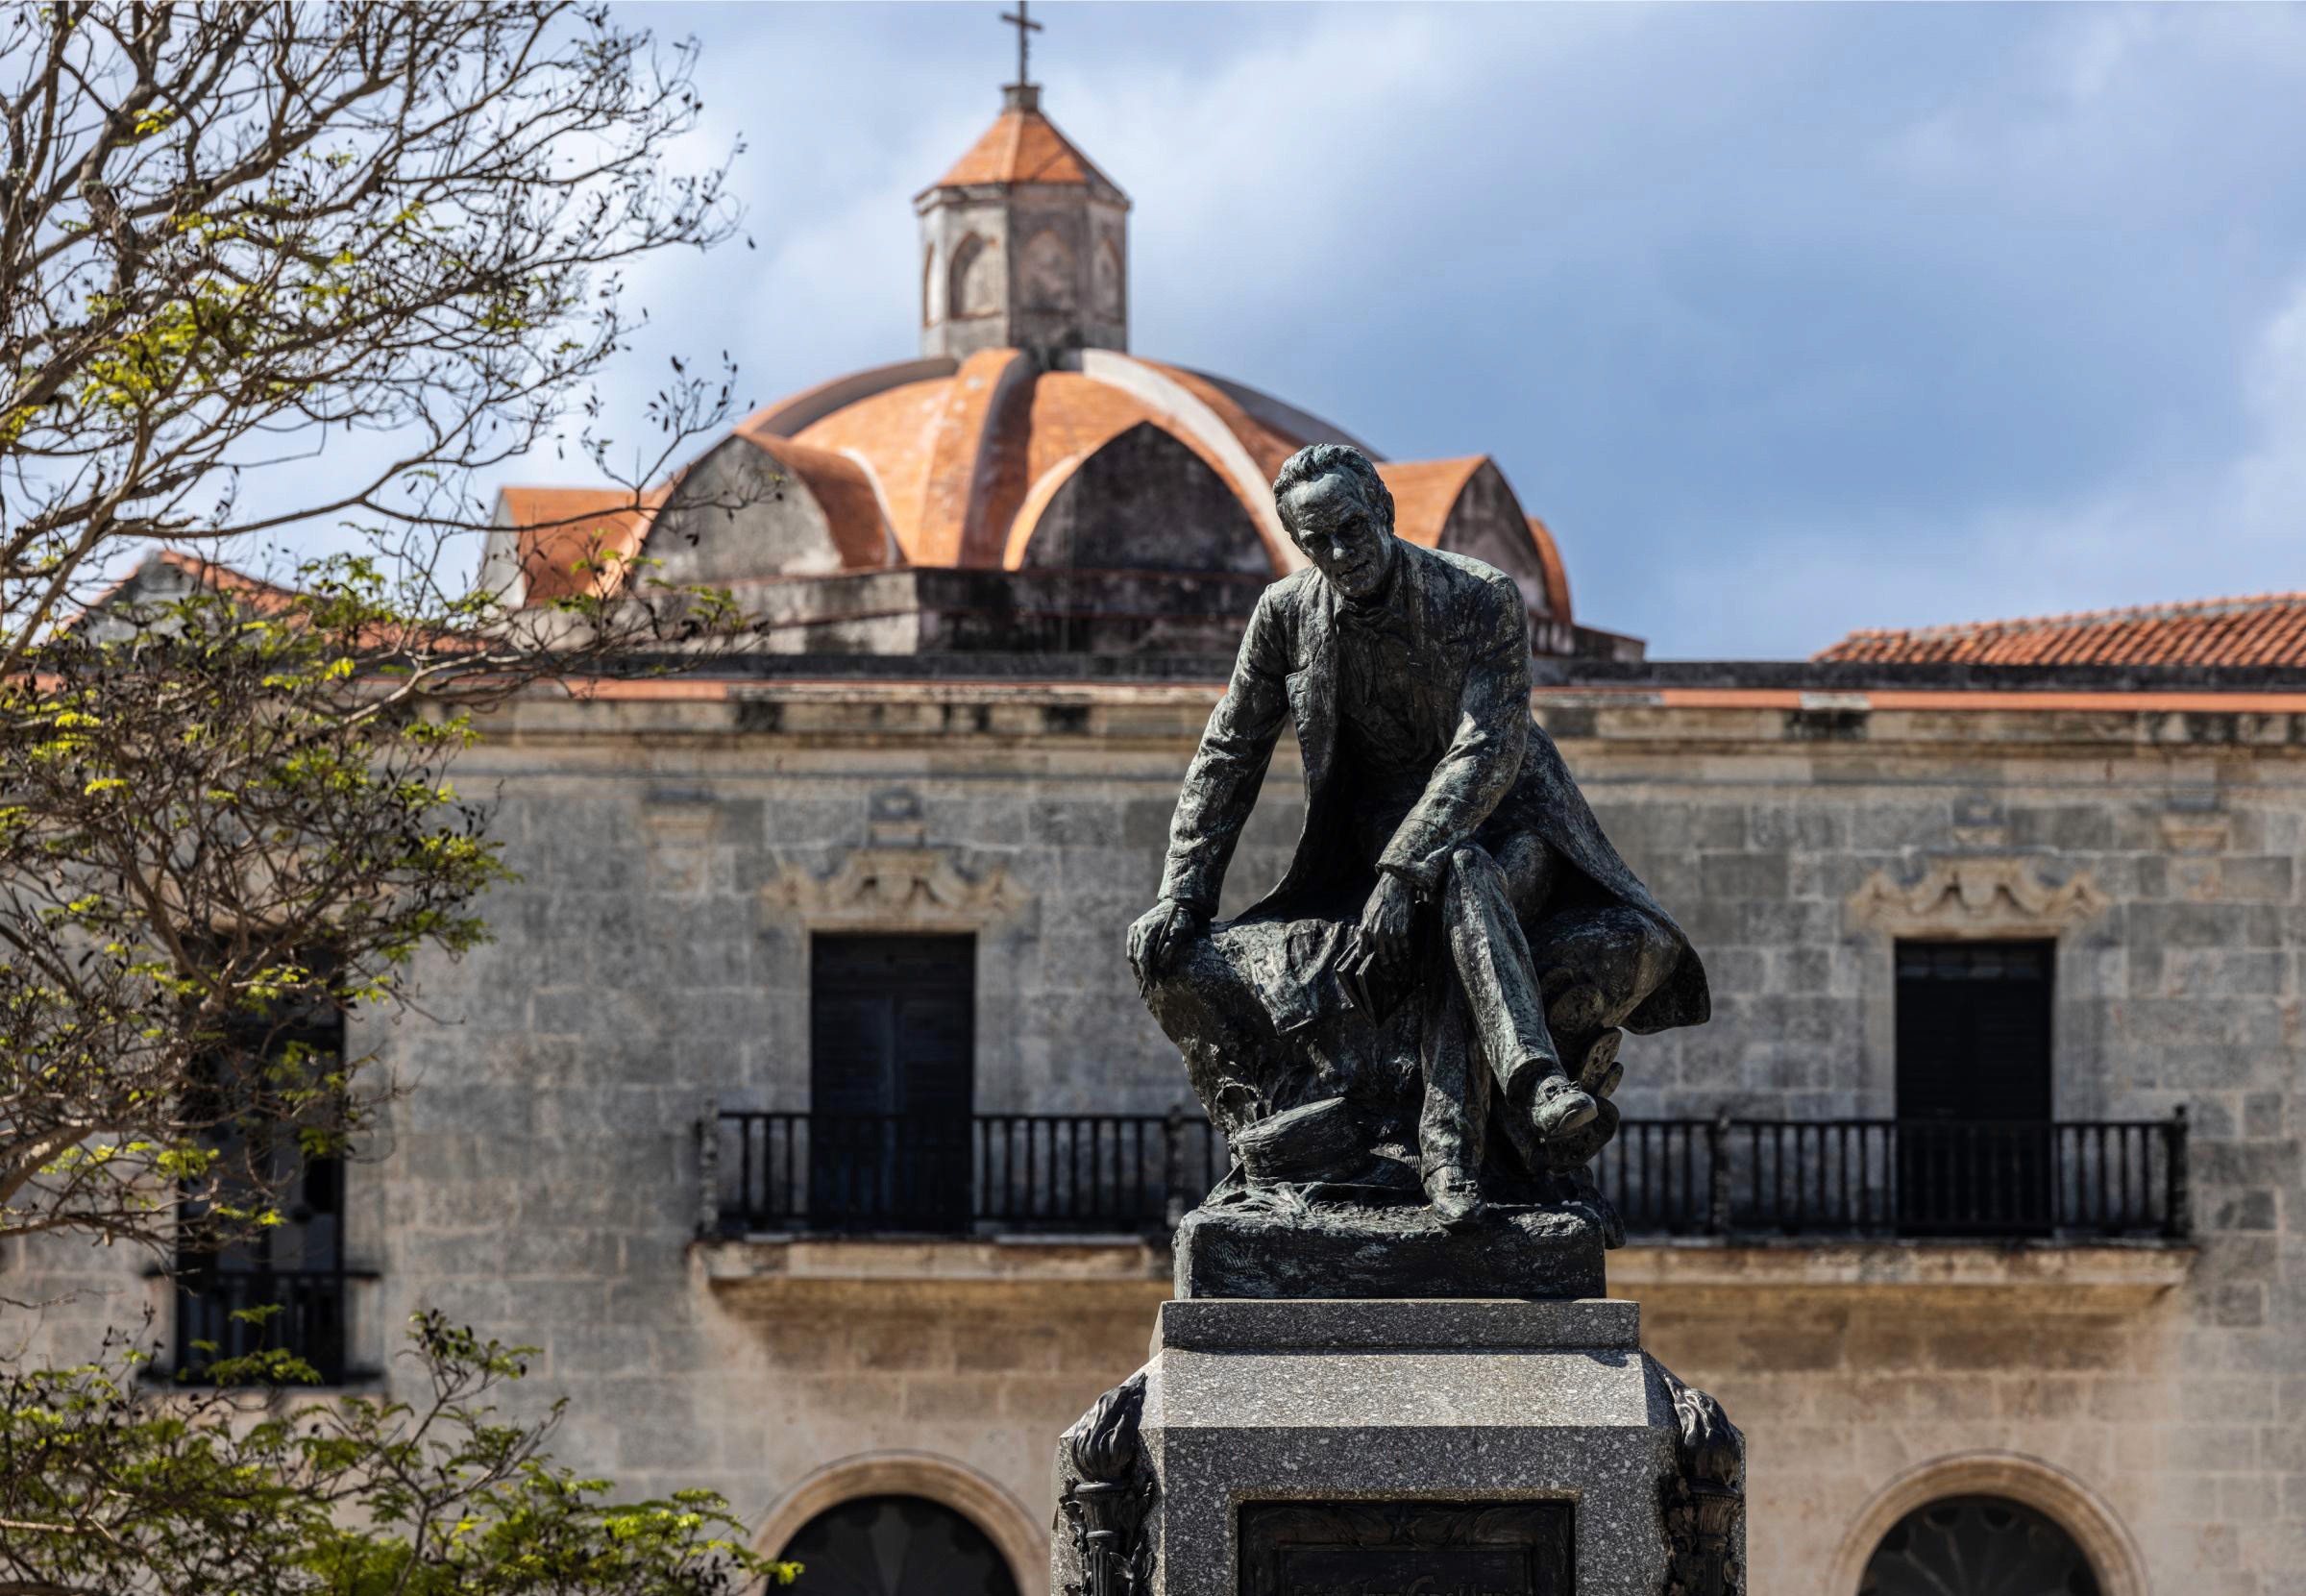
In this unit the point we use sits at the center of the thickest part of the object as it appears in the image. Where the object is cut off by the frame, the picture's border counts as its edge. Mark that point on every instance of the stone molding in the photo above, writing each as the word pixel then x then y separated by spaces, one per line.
pixel 2114 1276
pixel 2197 831
pixel 897 888
pixel 769 1261
pixel 2043 1487
pixel 924 1474
pixel 1979 896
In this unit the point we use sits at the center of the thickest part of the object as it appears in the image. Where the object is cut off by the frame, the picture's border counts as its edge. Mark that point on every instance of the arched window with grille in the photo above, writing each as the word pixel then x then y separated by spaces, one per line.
pixel 1977 1546
pixel 898 1546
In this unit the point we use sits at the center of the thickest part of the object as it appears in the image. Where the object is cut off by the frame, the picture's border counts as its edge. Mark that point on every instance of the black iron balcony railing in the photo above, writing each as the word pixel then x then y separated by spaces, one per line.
pixel 1076 1172
pixel 309 1317
pixel 1750 1178
pixel 1935 1178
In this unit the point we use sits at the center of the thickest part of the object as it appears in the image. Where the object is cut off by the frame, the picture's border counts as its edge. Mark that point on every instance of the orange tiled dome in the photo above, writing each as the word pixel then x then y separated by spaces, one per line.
pixel 1025 456
pixel 1110 462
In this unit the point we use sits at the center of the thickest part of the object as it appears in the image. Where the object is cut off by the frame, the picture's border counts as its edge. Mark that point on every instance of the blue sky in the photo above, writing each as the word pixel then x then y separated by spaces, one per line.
pixel 1787 319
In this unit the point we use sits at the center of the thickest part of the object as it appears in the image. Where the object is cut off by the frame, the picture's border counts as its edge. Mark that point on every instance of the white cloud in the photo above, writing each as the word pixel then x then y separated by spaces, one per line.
pixel 1789 319
pixel 2224 527
pixel 2269 482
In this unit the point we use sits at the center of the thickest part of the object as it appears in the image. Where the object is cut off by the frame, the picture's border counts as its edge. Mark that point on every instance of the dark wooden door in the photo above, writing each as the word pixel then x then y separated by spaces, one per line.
pixel 1975 1143
pixel 892 1081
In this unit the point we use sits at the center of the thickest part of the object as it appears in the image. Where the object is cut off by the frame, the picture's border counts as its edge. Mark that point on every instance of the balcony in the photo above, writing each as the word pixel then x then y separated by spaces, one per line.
pixel 1056 1174
pixel 225 1314
pixel 1728 1180
pixel 1888 1179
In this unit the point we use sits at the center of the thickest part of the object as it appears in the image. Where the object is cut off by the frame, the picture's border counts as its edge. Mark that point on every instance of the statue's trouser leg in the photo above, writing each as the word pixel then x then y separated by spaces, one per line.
pixel 1491 959
pixel 1455 1116
pixel 1485 1020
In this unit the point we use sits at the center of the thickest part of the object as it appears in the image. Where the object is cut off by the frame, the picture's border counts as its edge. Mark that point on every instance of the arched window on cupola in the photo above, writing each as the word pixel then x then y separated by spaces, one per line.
pixel 1105 278
pixel 975 280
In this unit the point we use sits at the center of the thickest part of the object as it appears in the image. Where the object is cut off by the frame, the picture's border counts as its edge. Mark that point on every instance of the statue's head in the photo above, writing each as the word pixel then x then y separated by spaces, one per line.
pixel 1340 515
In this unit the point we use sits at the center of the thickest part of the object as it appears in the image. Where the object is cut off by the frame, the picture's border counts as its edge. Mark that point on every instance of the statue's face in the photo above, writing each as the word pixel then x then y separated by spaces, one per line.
pixel 1348 545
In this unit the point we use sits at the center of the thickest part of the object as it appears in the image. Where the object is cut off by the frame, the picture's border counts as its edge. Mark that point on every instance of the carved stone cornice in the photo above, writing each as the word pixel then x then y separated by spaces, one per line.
pixel 1982 894
pixel 896 887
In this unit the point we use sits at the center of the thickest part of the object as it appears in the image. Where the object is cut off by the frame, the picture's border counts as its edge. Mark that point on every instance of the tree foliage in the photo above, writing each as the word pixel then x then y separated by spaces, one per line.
pixel 235 238
pixel 216 1492
pixel 227 812
pixel 232 236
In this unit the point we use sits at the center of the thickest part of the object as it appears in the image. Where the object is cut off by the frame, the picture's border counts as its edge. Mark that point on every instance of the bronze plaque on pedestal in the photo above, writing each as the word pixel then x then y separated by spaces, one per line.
pixel 1405 1548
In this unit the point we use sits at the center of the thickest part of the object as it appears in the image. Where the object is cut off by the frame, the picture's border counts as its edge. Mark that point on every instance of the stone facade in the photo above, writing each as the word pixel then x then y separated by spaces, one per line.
pixel 679 841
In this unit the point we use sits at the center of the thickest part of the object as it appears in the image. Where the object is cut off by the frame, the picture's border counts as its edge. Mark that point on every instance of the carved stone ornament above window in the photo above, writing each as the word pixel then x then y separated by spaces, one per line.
pixel 897 888
pixel 1987 896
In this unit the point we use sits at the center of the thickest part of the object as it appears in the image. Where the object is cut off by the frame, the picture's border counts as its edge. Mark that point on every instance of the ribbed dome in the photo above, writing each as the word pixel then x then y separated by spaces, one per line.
pixel 1071 495
pixel 1115 464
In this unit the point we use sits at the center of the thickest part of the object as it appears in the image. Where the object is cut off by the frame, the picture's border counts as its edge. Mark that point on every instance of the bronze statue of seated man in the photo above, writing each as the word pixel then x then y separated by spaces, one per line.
pixel 1432 997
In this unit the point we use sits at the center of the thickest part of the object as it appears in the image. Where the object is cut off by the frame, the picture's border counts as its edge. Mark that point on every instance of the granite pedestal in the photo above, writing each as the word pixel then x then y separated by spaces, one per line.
pixel 1389 1252
pixel 1353 1448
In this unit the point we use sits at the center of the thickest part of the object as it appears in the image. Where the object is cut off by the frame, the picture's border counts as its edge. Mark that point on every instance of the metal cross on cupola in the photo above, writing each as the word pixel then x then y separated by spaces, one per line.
pixel 1026 28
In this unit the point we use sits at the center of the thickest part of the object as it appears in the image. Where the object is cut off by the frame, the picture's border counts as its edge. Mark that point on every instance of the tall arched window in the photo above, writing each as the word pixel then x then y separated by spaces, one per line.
pixel 1977 1546
pixel 975 280
pixel 1105 278
pixel 898 1546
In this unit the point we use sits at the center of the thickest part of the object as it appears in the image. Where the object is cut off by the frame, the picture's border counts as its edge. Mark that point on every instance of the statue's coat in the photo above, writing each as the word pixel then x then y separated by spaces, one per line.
pixel 1500 774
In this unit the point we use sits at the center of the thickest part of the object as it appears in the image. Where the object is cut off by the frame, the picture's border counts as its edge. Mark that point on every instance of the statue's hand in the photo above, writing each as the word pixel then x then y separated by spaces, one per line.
pixel 1380 944
pixel 1385 920
pixel 1160 932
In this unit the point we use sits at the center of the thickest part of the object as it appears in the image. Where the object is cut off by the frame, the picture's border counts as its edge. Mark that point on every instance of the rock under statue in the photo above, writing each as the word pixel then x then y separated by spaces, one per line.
pixel 1428 1007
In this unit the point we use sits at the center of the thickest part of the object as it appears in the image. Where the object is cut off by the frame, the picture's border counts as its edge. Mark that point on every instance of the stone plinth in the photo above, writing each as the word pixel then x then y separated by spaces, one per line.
pixel 1388 1252
pixel 1521 1446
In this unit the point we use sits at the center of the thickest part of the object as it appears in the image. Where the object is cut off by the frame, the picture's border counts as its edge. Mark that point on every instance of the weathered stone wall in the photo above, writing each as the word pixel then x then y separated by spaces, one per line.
pixel 2161 849
pixel 540 1179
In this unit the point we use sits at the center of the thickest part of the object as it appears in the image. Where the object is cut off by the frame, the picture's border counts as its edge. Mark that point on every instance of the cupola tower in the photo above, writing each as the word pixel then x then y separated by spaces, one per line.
pixel 1024 244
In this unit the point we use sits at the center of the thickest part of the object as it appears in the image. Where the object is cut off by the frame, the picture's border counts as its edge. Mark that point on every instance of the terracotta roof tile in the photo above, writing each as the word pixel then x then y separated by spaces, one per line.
pixel 1557 573
pixel 843 489
pixel 897 430
pixel 223 578
pixel 1425 492
pixel 983 402
pixel 1268 447
pixel 265 596
pixel 562 528
pixel 955 460
pixel 1072 417
pixel 2266 630
pixel 1004 475
pixel 1022 146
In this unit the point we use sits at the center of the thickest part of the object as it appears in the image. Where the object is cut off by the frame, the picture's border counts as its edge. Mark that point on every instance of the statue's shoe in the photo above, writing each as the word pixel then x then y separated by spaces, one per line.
pixel 1574 1007
pixel 1456 1200
pixel 1598 1070
pixel 1562 1108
